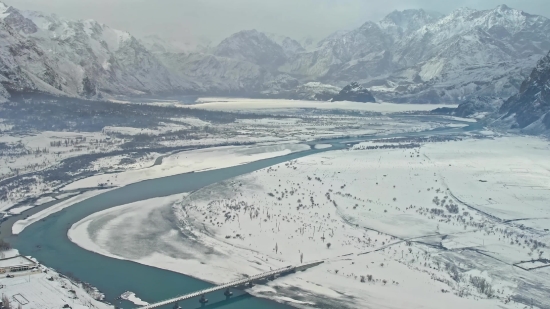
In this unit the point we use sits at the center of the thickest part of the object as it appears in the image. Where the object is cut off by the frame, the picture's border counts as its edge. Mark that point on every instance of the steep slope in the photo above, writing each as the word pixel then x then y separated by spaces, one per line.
pixel 252 46
pixel 478 107
pixel 415 56
pixel 528 110
pixel 81 58
pixel 156 44
pixel 361 54
pixel 226 76
pixel 290 46
pixel 24 66
pixel 469 53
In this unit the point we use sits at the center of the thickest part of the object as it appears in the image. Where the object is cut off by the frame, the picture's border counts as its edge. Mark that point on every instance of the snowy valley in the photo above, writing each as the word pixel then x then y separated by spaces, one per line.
pixel 409 155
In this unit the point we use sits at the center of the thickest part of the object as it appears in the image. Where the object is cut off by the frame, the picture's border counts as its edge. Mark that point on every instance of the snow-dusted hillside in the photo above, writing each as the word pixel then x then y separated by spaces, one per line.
pixel 408 56
pixel 222 75
pixel 415 56
pixel 528 110
pixel 77 58
pixel 157 44
pixel 252 46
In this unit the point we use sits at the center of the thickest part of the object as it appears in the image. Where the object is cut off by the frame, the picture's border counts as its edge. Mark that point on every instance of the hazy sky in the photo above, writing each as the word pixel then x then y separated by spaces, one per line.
pixel 216 19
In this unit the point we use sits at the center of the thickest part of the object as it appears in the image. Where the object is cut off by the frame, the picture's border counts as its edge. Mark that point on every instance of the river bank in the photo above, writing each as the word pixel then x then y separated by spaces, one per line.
pixel 56 249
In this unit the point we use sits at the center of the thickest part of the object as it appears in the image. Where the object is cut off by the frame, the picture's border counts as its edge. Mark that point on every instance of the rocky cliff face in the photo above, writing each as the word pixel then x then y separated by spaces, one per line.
pixel 479 106
pixel 529 109
pixel 46 53
pixel 355 93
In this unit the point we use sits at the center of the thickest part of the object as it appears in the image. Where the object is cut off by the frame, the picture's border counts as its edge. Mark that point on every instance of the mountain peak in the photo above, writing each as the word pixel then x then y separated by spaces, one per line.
pixel 410 19
pixel 251 46
pixel 503 7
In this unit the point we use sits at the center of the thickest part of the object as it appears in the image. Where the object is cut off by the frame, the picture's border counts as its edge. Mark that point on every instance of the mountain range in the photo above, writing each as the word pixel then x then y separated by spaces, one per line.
pixel 408 56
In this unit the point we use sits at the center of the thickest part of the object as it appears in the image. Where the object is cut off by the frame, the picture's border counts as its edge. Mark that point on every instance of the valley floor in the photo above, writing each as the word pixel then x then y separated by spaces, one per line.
pixel 399 223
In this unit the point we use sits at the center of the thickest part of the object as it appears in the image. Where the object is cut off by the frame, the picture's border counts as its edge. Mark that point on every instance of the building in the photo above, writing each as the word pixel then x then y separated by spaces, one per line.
pixel 16 263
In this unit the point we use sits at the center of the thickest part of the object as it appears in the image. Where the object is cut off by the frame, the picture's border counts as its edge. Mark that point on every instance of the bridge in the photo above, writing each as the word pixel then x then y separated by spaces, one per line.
pixel 241 282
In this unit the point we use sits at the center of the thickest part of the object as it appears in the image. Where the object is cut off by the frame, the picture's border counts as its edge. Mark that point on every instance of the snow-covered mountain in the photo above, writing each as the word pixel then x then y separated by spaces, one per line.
pixel 227 76
pixel 408 56
pixel 46 53
pixel 252 46
pixel 416 56
pixel 156 44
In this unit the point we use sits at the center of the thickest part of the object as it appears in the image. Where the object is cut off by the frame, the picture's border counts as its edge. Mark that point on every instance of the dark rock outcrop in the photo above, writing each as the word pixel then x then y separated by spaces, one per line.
pixel 530 107
pixel 478 105
pixel 356 93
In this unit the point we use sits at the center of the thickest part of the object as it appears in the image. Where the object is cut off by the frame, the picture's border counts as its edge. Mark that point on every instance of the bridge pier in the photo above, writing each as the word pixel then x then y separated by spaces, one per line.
pixel 227 293
pixel 245 282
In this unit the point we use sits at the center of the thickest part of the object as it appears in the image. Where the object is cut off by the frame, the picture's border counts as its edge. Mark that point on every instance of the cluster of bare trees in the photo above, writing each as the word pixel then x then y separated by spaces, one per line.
pixel 4 245
pixel 71 142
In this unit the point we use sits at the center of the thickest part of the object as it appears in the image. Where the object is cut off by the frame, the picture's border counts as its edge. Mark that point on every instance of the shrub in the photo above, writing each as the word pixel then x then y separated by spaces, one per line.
pixel 482 286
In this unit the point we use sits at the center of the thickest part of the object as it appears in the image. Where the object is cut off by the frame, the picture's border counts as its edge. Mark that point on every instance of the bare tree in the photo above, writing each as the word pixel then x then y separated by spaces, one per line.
pixel 5 302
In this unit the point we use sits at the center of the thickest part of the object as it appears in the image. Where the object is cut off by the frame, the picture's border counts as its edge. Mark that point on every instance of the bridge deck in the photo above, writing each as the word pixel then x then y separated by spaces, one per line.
pixel 231 284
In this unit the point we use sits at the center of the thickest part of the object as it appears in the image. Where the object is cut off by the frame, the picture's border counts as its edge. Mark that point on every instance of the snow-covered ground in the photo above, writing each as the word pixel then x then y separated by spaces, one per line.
pixel 31 152
pixel 25 155
pixel 20 225
pixel 241 104
pixel 45 288
pixel 189 161
pixel 29 156
pixel 432 224
pixel 182 162
pixel 131 296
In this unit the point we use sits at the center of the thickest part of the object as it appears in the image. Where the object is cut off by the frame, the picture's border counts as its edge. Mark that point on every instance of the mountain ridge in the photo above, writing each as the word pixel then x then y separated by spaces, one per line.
pixel 408 56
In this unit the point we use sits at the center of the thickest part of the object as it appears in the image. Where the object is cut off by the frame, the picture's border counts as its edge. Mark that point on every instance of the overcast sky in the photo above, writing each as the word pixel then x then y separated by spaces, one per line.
pixel 216 19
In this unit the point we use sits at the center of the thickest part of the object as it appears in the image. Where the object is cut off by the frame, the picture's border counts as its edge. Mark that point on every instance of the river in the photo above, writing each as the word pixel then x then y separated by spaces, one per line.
pixel 113 276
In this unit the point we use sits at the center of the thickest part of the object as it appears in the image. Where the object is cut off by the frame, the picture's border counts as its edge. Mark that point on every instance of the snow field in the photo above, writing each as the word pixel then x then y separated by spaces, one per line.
pixel 20 225
pixel 189 161
pixel 241 104
pixel 45 288
pixel 29 153
pixel 395 200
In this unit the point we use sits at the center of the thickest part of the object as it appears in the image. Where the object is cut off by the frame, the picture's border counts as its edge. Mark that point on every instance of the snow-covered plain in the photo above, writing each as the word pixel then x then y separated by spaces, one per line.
pixel 20 225
pixel 433 224
pixel 260 105
pixel 191 161
pixel 32 152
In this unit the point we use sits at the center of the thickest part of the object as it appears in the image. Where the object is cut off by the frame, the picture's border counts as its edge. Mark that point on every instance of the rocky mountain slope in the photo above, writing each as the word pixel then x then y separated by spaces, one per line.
pixel 529 109
pixel 415 56
pixel 45 53
pixel 355 93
